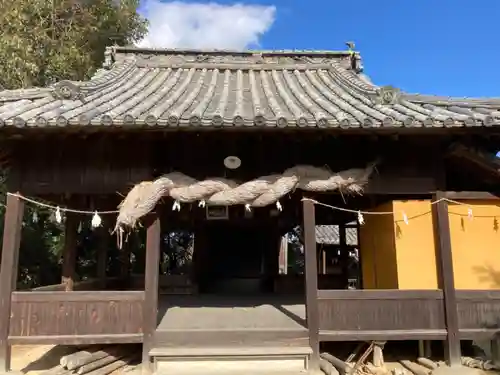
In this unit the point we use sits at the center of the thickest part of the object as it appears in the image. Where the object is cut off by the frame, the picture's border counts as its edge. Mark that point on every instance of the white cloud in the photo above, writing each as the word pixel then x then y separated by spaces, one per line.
pixel 177 24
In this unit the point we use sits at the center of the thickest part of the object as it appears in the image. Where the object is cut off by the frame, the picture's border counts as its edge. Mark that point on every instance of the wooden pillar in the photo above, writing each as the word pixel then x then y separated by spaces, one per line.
pixel 344 255
pixel 69 251
pixel 125 259
pixel 284 255
pixel 311 276
pixel 102 254
pixel 200 258
pixel 152 274
pixel 8 272
pixel 425 348
pixel 495 350
pixel 446 278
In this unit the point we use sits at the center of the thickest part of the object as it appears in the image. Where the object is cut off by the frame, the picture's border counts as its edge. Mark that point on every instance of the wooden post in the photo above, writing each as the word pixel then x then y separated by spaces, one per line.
pixel 311 275
pixel 69 251
pixel 8 272
pixel 152 274
pixel 424 348
pixel 495 350
pixel 102 254
pixel 125 259
pixel 344 255
pixel 446 278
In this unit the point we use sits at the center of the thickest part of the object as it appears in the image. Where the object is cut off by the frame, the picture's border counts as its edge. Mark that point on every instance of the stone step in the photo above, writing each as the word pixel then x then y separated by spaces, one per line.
pixel 231 360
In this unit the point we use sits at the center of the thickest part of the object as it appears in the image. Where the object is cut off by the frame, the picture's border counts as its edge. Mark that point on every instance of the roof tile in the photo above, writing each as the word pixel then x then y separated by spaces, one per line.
pixel 329 235
pixel 173 88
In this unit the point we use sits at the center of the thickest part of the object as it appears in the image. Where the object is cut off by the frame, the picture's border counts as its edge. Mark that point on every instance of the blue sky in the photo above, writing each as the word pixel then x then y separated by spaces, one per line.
pixel 444 47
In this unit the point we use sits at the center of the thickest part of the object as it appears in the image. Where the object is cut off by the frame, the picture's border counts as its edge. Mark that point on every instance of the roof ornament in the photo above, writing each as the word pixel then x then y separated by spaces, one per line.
pixel 386 95
pixel 232 162
pixel 199 58
pixel 302 59
pixel 67 90
pixel 350 47
pixel 356 63
pixel 108 57
pixel 202 58
pixel 258 58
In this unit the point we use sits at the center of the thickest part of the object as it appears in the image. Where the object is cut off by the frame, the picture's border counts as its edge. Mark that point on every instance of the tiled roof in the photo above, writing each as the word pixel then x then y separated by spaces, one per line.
pixel 329 235
pixel 172 88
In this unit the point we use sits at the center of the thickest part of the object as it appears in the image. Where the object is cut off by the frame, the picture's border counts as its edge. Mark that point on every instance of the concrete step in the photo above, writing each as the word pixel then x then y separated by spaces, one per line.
pixel 232 360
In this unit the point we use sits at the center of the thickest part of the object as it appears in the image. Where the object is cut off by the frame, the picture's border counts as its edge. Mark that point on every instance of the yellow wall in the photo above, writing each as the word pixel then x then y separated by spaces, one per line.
pixel 403 256
pixel 415 247
pixel 476 244
pixel 378 251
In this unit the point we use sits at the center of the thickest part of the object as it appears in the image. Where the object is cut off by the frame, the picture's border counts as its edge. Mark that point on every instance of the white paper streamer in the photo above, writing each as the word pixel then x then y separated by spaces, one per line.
pixel 176 206
pixel 361 219
pixel 57 215
pixel 96 220
pixel 405 218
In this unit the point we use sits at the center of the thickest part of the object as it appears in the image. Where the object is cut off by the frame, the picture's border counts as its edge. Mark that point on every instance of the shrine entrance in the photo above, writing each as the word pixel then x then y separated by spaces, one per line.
pixel 238 258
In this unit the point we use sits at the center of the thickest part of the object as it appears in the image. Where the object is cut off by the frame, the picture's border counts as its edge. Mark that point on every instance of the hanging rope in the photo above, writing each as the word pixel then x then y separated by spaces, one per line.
pixel 258 192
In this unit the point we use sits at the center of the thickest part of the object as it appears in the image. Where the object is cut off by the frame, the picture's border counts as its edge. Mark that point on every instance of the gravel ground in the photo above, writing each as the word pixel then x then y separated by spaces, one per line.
pixel 34 360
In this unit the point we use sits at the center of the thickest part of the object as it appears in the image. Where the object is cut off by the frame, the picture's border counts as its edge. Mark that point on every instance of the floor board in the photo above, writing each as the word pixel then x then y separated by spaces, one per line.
pixel 208 312
pixel 216 321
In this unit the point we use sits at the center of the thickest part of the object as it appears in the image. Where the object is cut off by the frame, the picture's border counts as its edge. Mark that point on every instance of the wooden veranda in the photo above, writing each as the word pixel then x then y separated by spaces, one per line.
pixel 114 316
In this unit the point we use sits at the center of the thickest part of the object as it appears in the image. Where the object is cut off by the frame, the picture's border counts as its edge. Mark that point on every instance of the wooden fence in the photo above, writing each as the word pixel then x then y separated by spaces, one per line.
pixel 95 317
pixel 98 317
pixel 346 315
pixel 50 315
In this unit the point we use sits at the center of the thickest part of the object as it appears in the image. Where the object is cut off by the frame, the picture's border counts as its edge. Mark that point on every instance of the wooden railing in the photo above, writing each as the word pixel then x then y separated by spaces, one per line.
pixel 50 288
pixel 346 315
pixel 94 317
pixel 478 313
pixel 380 314
pixel 295 283
pixel 167 284
pixel 115 283
pixel 97 317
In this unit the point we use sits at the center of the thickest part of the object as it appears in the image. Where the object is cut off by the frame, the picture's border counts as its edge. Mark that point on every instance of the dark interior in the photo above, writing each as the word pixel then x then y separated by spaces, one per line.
pixel 238 258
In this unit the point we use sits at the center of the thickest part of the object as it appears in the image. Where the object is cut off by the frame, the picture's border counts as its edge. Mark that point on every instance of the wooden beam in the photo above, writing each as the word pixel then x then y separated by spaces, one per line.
pixel 396 185
pixel 472 195
pixel 311 275
pixel 152 274
pixel 8 272
pixel 69 251
pixel 446 278
pixel 478 159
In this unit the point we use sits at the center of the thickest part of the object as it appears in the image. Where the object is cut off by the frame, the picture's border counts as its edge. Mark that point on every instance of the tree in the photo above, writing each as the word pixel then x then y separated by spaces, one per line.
pixel 41 248
pixel 43 41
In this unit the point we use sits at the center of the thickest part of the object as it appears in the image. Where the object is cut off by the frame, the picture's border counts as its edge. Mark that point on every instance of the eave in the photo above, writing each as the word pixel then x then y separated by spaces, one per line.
pixel 173 89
